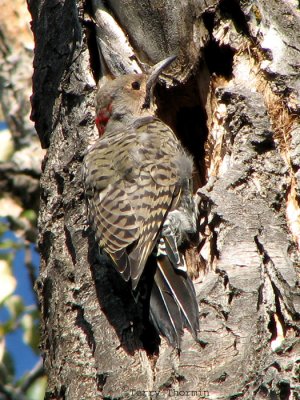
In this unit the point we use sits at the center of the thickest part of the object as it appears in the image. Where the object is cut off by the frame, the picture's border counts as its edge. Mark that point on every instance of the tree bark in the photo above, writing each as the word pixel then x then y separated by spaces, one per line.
pixel 233 100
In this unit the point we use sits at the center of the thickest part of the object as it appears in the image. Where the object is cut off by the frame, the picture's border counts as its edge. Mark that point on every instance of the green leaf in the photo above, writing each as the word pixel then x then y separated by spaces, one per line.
pixel 30 215
pixel 31 332
pixel 15 305
pixel 7 327
pixel 3 227
pixel 7 145
pixel 7 256
pixel 35 312
pixel 8 281
pixel 37 390
pixel 9 244
pixel 7 368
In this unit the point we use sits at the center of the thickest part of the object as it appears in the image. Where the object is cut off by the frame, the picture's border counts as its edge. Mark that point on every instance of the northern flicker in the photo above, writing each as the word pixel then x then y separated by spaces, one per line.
pixel 138 183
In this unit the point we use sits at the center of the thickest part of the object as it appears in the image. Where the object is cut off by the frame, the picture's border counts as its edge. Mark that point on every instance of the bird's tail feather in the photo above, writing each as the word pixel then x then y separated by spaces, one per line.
pixel 173 303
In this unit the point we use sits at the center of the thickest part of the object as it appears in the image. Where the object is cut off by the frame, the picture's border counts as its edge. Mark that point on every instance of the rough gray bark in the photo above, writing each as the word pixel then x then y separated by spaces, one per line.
pixel 235 105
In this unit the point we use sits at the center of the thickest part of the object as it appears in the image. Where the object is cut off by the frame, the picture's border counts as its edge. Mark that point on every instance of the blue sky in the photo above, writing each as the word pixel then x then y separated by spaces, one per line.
pixel 24 357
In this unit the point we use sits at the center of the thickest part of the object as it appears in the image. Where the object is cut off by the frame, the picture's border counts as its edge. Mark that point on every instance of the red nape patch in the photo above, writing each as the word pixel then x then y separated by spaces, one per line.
pixel 102 118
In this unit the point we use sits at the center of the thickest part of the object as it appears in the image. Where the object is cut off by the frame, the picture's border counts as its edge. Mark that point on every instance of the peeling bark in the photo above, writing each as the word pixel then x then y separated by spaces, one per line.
pixel 234 102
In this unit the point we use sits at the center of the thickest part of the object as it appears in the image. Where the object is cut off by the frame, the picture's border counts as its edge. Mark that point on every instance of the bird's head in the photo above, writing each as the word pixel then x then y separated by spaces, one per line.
pixel 127 96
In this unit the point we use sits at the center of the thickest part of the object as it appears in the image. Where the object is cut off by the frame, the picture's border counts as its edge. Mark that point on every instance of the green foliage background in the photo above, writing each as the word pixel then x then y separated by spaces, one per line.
pixel 32 385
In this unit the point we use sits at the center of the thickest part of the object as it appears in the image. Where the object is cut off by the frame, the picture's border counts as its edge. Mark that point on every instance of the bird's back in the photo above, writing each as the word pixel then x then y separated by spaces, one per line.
pixel 135 176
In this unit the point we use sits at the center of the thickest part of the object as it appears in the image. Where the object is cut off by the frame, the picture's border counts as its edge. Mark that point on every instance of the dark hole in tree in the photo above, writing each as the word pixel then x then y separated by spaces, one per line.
pixel 208 19
pixel 272 327
pixel 285 390
pixel 90 30
pixel 231 9
pixel 278 308
pixel 180 108
pixel 219 59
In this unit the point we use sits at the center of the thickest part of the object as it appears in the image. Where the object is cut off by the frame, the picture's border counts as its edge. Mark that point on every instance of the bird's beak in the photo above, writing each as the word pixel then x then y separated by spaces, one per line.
pixel 155 71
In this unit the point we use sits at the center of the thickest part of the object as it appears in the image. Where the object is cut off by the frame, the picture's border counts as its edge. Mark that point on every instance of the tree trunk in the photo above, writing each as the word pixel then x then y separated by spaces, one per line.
pixel 234 103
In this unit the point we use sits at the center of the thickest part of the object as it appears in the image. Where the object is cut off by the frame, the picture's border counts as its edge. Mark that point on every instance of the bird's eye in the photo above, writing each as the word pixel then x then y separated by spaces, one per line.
pixel 136 85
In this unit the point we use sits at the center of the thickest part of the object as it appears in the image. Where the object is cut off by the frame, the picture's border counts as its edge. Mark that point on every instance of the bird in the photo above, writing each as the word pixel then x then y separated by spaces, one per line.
pixel 138 185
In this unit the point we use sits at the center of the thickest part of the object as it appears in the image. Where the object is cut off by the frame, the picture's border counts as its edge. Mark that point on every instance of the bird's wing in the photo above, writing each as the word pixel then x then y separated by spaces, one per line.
pixel 130 184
